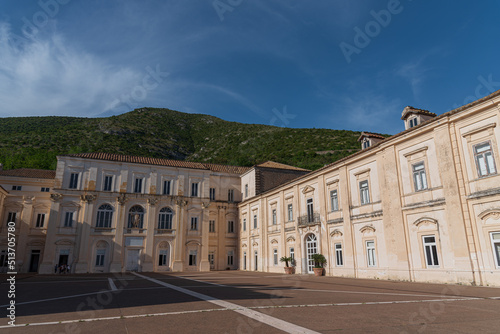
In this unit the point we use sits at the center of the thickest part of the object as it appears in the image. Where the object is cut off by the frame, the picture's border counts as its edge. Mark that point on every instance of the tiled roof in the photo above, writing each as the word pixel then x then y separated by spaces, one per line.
pixel 277 165
pixel 410 109
pixel 161 162
pixel 371 135
pixel 32 173
pixel 227 168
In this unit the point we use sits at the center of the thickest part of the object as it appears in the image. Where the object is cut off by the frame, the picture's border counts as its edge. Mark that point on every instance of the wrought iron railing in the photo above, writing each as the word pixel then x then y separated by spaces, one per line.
pixel 309 219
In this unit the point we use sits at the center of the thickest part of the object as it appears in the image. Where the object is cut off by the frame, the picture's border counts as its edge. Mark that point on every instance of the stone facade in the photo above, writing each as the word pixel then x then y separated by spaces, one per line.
pixel 116 213
pixel 422 205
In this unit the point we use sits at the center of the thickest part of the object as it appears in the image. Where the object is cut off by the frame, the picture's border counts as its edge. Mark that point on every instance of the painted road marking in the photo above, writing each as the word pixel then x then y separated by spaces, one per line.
pixel 239 307
pixel 261 317
pixel 112 284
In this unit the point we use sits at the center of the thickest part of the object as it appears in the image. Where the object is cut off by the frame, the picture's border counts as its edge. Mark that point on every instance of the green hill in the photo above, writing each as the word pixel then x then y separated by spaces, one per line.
pixel 34 142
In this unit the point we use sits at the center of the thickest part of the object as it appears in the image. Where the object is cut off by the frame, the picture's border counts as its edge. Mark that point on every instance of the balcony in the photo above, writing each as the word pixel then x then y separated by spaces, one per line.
pixel 308 220
pixel 135 230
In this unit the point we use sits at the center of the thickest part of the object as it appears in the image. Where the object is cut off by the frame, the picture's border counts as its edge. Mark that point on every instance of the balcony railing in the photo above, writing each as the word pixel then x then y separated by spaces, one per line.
pixel 309 219
pixel 164 231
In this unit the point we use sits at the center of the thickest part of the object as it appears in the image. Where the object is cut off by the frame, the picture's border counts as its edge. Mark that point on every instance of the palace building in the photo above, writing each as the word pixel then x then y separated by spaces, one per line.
pixel 422 205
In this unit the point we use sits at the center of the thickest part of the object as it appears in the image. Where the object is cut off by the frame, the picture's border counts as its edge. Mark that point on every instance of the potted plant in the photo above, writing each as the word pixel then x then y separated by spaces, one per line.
pixel 319 263
pixel 287 259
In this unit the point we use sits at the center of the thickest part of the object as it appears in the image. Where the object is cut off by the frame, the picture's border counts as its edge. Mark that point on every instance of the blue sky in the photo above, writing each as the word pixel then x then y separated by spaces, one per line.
pixel 325 64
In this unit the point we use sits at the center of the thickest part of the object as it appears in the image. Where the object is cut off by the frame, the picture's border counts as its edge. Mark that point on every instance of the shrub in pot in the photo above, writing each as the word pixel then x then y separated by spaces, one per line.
pixel 319 263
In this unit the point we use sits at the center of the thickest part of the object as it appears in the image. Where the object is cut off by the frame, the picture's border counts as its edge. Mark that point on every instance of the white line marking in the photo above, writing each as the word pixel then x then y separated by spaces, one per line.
pixel 232 309
pixel 261 317
pixel 112 284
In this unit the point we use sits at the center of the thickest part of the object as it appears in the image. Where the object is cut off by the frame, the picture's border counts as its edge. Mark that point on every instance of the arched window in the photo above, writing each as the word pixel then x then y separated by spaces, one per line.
pixel 136 217
pixel 165 219
pixel 104 216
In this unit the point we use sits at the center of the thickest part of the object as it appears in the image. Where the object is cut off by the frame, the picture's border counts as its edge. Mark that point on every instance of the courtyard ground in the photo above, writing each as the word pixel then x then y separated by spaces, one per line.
pixel 244 302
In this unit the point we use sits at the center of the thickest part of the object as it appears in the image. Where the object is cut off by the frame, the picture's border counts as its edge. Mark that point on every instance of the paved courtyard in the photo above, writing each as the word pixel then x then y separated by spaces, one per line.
pixel 244 302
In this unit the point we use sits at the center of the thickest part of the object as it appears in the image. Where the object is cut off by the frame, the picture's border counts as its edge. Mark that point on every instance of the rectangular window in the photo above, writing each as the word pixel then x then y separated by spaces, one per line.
pixel 17 187
pixel 254 221
pixel 211 258
pixel 419 177
pixel 290 212
pixel 413 122
pixel 230 195
pixel 230 258
pixel 99 259
pixel 366 143
pixel 163 258
pixel 212 194
pixel 484 159
pixel 45 190
pixel 230 226
pixel 334 200
pixel 246 190
pixel 495 241
pixel 68 219
pixel 339 258
pixel 166 187
pixel 108 182
pixel 430 250
pixel 310 210
pixel 244 260
pixel 364 192
pixel 292 254
pixel 138 185
pixel 194 189
pixel 192 258
pixel 244 224
pixel 211 226
pixel 40 219
pixel 11 217
pixel 73 181
pixel 275 257
pixel 275 219
pixel 256 260
pixel 194 223
pixel 370 253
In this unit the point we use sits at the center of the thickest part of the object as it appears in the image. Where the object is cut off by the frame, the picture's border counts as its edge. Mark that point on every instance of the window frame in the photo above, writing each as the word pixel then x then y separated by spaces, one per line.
pixel 138 184
pixel 107 184
pixel 230 226
pixel 230 258
pixel 73 180
pixel 310 209
pixel 421 175
pixel 339 254
pixel 290 212
pixel 496 254
pixel 255 222
pixel 211 226
pixel 167 187
pixel 165 218
pixel 40 220
pixel 194 224
pixel 334 200
pixel 483 154
pixel 100 257
pixel 433 249
pixel 212 194
pixel 244 224
pixel 230 195
pixel 371 261
pixel 68 219
pixel 274 217
pixel 104 216
pixel 275 256
pixel 364 190
pixel 195 189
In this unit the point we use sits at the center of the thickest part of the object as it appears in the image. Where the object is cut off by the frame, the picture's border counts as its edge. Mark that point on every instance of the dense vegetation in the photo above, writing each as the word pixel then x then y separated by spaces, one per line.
pixel 34 142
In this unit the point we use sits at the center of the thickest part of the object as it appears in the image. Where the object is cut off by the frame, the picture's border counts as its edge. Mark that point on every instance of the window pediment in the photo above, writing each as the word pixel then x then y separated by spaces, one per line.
pixel 307 189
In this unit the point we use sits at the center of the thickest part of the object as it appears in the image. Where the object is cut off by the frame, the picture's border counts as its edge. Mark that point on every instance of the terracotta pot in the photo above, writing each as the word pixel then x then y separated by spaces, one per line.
pixel 318 271
pixel 289 270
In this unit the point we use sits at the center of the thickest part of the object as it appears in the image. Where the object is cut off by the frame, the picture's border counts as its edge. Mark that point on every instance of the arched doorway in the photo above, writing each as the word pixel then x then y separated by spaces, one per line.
pixel 311 248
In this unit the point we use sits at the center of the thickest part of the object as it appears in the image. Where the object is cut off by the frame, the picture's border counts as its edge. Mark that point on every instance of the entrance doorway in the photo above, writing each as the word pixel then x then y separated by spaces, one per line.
pixel 133 259
pixel 63 259
pixel 35 259
pixel 311 248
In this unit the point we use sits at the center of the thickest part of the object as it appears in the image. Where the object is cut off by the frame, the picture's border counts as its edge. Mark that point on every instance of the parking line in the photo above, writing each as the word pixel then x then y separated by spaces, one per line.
pixel 261 317
pixel 112 284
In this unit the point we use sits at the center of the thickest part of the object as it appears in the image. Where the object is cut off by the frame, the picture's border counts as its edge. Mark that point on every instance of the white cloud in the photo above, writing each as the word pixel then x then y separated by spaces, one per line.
pixel 47 76
pixel 369 112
